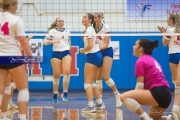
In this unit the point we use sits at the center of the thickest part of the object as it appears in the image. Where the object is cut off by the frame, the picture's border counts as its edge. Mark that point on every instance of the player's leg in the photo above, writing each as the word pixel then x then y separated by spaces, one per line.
pixel 11 104
pixel 99 103
pixel 4 103
pixel 106 70
pixel 19 76
pixel 89 73
pixel 176 105
pixel 56 66
pixel 99 80
pixel 159 96
pixel 66 64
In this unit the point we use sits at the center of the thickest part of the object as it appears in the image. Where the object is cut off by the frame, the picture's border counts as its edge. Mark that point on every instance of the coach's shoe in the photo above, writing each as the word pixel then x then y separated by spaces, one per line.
pixel 100 106
pixel 64 96
pixel 11 105
pixel 118 101
pixel 88 109
pixel 55 99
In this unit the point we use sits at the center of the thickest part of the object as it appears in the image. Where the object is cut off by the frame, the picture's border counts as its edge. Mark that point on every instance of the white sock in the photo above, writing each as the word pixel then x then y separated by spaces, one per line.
pixel 116 92
pixel 22 116
pixel 55 92
pixel 101 96
pixel 3 114
pixel 145 116
pixel 176 108
pixel 65 91
pixel 90 103
pixel 99 101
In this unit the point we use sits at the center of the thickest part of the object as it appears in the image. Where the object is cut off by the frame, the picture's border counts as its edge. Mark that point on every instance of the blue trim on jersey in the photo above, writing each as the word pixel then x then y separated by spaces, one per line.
pixel 107 52
pixel 174 58
pixel 59 30
pixel 60 55
pixel 101 27
pixel 95 59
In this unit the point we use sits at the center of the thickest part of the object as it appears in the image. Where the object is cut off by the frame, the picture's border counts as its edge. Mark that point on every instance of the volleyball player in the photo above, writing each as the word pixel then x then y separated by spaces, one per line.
pixel 94 61
pixel 173 43
pixel 12 33
pixel 107 53
pixel 61 57
pixel 151 87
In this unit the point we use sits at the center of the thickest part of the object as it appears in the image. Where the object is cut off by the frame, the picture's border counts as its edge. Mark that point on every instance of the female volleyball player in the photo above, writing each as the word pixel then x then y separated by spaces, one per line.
pixel 107 53
pixel 151 88
pixel 174 57
pixel 12 34
pixel 61 57
pixel 94 61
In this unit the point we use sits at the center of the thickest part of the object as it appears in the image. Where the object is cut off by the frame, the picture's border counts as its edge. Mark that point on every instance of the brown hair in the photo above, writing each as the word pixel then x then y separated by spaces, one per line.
pixel 53 25
pixel 177 23
pixel 6 3
pixel 100 15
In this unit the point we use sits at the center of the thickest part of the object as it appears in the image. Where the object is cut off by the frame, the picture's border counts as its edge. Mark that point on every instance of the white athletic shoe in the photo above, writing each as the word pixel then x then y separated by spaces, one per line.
pixel 11 105
pixel 5 118
pixel 118 101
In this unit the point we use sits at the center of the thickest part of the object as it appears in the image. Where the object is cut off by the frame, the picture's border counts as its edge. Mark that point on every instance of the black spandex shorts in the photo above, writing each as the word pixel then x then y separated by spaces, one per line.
pixel 162 95
pixel 9 66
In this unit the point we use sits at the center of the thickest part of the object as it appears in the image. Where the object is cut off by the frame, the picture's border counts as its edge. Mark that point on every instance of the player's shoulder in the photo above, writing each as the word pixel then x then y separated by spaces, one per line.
pixel 170 30
pixel 67 30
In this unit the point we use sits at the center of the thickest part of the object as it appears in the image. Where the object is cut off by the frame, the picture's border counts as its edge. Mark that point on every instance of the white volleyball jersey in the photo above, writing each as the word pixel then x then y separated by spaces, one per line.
pixel 11 26
pixel 104 30
pixel 64 42
pixel 90 30
pixel 174 41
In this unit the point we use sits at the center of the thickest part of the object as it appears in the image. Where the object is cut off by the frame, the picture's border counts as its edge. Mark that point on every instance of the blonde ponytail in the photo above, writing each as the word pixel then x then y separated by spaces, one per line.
pixel 177 23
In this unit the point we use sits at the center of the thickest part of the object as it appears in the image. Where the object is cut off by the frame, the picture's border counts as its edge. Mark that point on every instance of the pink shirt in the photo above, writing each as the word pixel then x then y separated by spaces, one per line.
pixel 148 67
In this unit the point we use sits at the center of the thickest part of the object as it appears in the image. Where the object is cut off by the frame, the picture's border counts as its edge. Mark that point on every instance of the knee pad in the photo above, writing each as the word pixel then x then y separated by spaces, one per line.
pixel 7 90
pixel 93 85
pixel 86 85
pixel 99 84
pixel 131 104
pixel 110 82
pixel 1 97
pixel 13 85
pixel 55 81
pixel 177 90
pixel 23 95
pixel 139 86
pixel 66 79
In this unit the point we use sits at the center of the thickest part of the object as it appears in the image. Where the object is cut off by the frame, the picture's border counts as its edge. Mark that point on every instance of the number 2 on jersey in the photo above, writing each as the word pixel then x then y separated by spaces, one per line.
pixel 5 28
pixel 157 66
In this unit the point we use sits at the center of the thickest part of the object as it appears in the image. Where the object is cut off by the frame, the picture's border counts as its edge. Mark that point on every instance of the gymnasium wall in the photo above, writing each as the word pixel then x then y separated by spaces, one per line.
pixel 39 14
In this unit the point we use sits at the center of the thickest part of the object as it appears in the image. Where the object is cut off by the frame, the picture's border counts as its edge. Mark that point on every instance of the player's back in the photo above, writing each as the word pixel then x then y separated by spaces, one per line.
pixel 10 29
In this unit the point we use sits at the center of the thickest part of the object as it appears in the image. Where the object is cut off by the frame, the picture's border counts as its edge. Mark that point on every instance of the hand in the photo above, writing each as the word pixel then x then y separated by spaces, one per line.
pixel 81 50
pixel 56 41
pixel 161 29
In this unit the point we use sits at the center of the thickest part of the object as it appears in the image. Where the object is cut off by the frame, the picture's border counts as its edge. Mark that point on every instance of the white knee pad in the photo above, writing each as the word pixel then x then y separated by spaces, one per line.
pixel 55 81
pixel 93 85
pixel 139 86
pixel 23 95
pixel 13 85
pixel 86 85
pixel 131 104
pixel 1 97
pixel 7 90
pixel 110 82
pixel 177 90
pixel 99 84
pixel 66 79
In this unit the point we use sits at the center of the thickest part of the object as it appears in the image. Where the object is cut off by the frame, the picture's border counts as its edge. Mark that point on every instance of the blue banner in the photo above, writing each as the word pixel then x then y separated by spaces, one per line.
pixel 151 9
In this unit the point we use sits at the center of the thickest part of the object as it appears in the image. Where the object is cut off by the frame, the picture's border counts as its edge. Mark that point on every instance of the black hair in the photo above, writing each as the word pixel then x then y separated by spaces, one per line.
pixel 148 45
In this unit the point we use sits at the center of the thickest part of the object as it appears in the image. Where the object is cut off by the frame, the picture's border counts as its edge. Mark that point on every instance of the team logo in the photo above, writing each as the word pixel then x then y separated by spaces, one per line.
pixel 143 7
